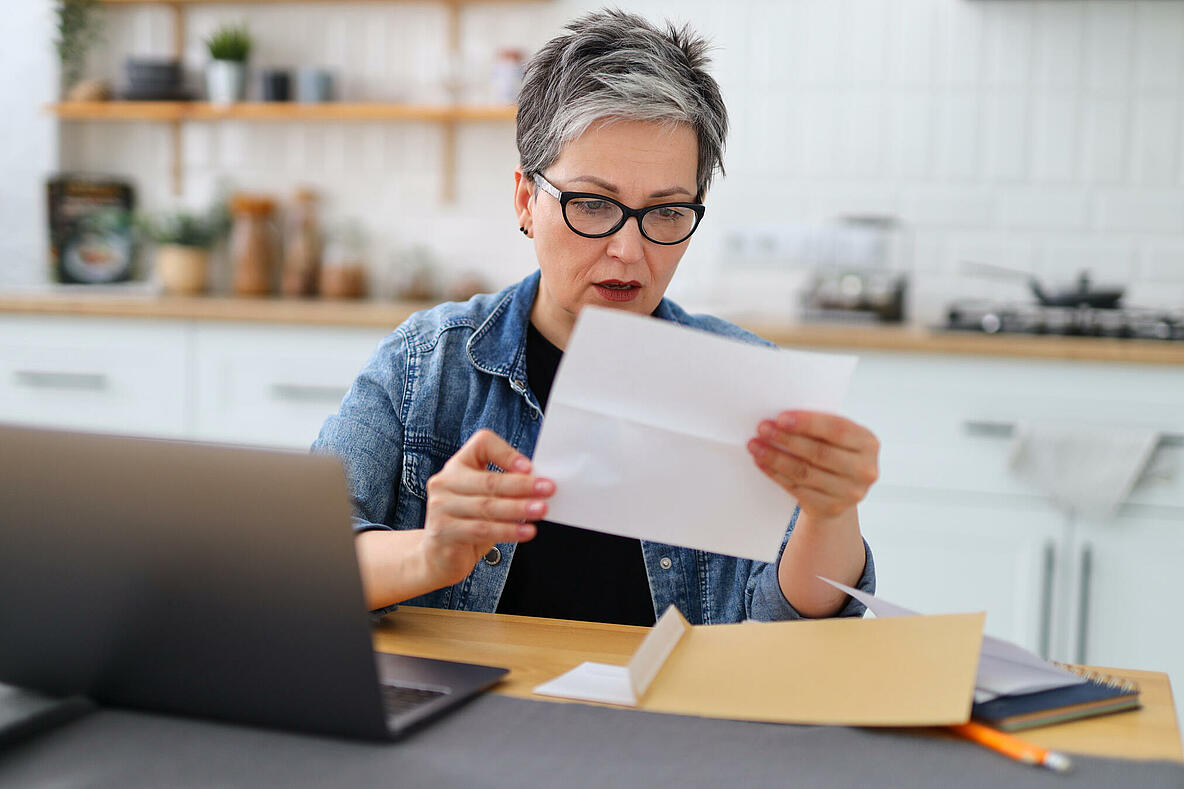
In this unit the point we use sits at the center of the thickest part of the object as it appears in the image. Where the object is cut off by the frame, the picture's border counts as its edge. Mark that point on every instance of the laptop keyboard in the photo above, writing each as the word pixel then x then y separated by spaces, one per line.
pixel 399 699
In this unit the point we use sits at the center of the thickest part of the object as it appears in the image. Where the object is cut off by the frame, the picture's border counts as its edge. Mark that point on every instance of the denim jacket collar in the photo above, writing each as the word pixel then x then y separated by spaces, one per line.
pixel 498 346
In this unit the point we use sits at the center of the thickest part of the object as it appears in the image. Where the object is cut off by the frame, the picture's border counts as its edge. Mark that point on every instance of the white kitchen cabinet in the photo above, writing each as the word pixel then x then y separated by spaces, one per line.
pixel 951 554
pixel 269 385
pixel 96 374
pixel 1127 611
pixel 273 385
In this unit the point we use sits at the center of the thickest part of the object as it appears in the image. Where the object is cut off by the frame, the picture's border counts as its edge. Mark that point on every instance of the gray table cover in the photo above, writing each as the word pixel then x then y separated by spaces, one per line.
pixel 497 741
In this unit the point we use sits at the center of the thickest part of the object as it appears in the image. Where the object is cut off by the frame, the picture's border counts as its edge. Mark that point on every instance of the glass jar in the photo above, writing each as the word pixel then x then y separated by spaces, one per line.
pixel 302 247
pixel 506 75
pixel 253 247
pixel 343 275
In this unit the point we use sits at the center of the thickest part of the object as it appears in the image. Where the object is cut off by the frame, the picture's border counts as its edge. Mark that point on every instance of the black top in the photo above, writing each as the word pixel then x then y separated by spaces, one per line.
pixel 571 573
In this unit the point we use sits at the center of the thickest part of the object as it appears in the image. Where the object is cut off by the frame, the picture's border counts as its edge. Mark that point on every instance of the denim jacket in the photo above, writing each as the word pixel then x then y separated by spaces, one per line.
pixel 456 368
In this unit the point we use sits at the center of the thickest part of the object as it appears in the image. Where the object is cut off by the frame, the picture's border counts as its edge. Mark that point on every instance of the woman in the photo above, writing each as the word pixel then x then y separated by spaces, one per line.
pixel 620 130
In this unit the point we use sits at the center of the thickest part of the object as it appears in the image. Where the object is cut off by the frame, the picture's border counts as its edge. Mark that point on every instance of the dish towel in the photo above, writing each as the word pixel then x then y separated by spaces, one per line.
pixel 1088 469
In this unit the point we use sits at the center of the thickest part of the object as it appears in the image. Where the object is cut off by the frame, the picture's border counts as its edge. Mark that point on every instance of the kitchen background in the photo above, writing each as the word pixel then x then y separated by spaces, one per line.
pixel 1046 136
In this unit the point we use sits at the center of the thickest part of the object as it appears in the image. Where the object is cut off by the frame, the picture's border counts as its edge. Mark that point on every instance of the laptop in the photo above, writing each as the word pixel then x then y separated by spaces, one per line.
pixel 199 579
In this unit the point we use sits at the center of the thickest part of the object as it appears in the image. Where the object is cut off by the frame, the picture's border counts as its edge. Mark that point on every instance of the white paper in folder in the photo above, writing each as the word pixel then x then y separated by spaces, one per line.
pixel 1004 668
pixel 648 423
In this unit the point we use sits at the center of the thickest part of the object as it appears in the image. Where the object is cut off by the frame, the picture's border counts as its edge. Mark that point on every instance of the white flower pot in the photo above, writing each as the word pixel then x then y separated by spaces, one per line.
pixel 226 81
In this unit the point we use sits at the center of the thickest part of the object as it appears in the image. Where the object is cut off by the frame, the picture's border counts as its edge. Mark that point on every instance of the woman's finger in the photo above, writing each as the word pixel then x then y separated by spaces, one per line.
pixel 832 429
pixel 494 508
pixel 792 472
pixel 466 481
pixel 819 453
pixel 486 447
pixel 828 502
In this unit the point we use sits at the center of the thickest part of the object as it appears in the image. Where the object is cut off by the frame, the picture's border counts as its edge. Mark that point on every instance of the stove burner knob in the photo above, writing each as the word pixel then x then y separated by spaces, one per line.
pixel 991 323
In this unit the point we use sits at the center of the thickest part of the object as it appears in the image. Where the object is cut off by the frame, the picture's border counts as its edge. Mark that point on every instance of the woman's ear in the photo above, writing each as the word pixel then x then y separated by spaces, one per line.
pixel 523 191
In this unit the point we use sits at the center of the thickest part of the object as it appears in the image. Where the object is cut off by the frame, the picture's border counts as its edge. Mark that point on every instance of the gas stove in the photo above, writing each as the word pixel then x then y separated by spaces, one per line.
pixel 1012 318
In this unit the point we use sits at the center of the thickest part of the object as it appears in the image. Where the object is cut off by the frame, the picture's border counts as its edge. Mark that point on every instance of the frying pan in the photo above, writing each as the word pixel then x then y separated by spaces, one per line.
pixel 1083 295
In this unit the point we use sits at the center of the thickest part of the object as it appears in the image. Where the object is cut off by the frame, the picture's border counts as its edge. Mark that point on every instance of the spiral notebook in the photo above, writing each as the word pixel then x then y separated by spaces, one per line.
pixel 1098 695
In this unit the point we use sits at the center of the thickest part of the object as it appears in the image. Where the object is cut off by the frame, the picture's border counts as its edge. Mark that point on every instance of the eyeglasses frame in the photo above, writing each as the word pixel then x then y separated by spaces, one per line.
pixel 626 212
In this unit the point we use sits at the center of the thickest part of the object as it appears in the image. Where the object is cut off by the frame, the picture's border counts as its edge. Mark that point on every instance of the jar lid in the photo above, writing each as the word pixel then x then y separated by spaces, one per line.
pixel 252 205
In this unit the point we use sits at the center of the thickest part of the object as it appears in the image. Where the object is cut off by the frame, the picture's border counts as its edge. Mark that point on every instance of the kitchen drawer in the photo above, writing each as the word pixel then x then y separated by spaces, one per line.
pixel 274 386
pixel 110 375
pixel 923 407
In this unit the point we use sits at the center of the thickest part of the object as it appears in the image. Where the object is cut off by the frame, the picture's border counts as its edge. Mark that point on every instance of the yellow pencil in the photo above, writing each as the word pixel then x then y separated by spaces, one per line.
pixel 1013 746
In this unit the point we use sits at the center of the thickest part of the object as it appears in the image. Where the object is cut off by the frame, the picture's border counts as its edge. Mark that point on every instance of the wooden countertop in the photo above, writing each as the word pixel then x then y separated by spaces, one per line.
pixel 536 650
pixel 388 315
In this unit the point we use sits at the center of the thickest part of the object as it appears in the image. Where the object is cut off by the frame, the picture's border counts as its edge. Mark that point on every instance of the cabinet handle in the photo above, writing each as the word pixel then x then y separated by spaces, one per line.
pixel 1046 577
pixel 1087 570
pixel 47 379
pixel 982 427
pixel 307 393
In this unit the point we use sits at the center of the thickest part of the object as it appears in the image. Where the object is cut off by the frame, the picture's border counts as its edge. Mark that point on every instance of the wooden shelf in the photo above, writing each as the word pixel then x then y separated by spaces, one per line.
pixel 277 111
pixel 175 113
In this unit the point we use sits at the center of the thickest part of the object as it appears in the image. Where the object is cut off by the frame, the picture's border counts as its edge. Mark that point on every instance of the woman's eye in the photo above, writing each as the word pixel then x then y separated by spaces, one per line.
pixel 669 213
pixel 591 206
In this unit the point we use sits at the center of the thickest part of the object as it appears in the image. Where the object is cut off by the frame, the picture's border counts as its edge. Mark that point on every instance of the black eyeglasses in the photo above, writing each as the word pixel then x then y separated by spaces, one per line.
pixel 595 216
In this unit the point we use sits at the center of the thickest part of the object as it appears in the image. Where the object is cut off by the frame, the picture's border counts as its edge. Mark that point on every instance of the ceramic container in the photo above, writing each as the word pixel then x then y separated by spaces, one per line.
pixel 182 271
pixel 226 81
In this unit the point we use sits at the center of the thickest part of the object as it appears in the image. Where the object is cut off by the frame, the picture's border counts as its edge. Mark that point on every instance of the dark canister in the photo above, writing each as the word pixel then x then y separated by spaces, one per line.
pixel 276 85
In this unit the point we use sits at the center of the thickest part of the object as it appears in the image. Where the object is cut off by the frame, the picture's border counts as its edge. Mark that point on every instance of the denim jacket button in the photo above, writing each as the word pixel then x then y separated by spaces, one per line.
pixel 494 557
pixel 665 562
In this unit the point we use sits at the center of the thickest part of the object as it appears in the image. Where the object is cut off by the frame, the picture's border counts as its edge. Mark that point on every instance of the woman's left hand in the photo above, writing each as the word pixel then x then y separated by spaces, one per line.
pixel 826 462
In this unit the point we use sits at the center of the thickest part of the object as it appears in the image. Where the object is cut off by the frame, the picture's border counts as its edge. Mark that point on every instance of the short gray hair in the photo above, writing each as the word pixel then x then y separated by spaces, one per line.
pixel 611 64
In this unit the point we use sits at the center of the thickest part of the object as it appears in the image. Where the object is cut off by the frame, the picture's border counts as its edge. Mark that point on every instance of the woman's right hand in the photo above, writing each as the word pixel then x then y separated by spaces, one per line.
pixel 470 508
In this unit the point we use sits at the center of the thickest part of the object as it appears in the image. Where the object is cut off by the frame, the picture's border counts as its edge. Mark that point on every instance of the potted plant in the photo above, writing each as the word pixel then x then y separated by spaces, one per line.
pixel 183 242
pixel 79 24
pixel 226 74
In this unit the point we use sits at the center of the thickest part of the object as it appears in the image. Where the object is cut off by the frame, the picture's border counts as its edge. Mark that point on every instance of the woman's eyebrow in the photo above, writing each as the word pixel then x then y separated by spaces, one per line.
pixel 605 185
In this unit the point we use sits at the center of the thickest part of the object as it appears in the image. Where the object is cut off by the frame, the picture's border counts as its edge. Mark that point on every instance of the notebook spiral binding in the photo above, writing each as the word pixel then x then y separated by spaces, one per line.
pixel 1109 680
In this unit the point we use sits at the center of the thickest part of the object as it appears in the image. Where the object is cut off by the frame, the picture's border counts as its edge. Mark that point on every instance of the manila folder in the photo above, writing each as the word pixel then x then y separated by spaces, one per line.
pixel 904 671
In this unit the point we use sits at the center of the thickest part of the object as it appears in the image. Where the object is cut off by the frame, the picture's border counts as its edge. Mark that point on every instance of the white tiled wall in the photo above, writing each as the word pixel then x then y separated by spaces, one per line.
pixel 28 139
pixel 1040 134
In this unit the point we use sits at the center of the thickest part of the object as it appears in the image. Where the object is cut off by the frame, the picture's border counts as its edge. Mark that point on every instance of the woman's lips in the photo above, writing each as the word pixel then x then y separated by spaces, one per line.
pixel 616 290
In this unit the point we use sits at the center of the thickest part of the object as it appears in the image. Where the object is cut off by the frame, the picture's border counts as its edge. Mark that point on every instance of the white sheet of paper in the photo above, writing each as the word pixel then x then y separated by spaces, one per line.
pixel 622 684
pixel 592 682
pixel 1003 667
pixel 647 427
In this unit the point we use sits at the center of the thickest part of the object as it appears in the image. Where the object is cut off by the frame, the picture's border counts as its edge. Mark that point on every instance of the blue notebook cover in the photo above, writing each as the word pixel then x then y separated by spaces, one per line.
pixel 1097 696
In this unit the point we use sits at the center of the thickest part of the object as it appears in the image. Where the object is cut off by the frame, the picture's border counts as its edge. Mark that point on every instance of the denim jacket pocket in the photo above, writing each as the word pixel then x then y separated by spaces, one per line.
pixel 420 464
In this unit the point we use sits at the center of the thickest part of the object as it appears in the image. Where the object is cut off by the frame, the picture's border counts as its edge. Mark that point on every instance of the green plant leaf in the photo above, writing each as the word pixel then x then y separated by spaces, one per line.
pixel 230 42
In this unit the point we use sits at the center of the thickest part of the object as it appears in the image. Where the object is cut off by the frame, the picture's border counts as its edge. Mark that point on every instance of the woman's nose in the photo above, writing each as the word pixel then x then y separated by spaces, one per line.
pixel 627 244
